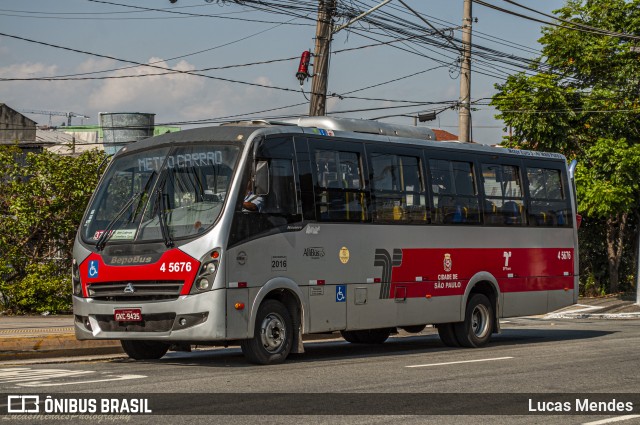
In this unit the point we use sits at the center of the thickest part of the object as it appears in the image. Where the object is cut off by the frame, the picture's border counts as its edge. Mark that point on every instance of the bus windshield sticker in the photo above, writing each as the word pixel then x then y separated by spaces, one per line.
pixel 344 255
pixel 124 234
pixel 278 263
pixel 341 293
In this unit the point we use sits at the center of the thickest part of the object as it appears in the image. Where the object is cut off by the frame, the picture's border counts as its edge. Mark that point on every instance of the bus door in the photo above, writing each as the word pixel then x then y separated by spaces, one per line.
pixel 399 205
pixel 335 248
pixel 262 242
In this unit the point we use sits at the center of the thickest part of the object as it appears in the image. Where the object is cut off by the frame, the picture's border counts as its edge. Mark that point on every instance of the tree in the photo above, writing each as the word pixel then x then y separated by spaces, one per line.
pixel 41 205
pixel 583 101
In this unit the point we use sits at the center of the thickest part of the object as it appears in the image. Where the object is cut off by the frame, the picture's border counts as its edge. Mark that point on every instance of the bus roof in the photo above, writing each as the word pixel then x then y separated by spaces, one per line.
pixel 363 130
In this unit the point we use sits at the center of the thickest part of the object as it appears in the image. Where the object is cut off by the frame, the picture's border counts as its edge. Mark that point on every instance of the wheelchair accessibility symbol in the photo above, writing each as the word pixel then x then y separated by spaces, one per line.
pixel 341 293
pixel 93 269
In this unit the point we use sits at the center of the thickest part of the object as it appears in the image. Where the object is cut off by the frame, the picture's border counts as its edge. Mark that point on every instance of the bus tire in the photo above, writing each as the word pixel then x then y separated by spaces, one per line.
pixel 144 350
pixel 447 334
pixel 369 336
pixel 350 336
pixel 475 330
pixel 273 335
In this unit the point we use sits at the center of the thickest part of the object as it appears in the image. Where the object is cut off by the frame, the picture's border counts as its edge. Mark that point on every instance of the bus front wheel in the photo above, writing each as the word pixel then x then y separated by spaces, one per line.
pixel 144 350
pixel 475 330
pixel 273 335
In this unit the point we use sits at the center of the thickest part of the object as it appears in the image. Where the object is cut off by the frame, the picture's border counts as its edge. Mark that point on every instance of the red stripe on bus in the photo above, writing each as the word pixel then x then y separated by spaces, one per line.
pixel 449 270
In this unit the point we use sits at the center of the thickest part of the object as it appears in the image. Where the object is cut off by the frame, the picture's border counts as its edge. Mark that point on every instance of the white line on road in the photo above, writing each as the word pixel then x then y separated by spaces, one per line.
pixel 462 361
pixel 611 420
pixel 54 384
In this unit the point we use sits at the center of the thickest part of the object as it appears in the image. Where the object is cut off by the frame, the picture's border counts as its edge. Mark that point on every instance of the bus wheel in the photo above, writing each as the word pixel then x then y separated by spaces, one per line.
pixel 369 336
pixel 447 334
pixel 476 329
pixel 144 350
pixel 350 336
pixel 273 335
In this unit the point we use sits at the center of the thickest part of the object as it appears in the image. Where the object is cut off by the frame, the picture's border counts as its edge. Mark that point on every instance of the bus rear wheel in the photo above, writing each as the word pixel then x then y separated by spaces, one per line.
pixel 144 350
pixel 475 330
pixel 273 335
pixel 369 336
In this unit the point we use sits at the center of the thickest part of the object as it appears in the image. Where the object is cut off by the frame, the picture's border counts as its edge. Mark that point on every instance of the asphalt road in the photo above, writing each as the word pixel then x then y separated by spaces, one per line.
pixel 408 377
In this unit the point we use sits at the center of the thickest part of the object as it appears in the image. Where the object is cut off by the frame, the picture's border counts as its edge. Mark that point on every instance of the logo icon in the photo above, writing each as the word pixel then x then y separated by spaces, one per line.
pixel 93 269
pixel 344 255
pixel 23 404
pixel 129 289
pixel 506 255
pixel 315 252
pixel 447 263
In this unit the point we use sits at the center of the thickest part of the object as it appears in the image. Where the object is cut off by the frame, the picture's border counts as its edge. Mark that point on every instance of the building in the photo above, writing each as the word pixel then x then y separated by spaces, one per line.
pixel 15 128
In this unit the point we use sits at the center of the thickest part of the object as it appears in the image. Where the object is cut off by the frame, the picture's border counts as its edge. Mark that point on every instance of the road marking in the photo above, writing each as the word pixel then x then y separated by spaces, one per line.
pixel 462 361
pixel 54 384
pixel 611 420
pixel 27 377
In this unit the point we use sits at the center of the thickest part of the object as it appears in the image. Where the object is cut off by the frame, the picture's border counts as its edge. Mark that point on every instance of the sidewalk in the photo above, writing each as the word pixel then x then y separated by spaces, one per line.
pixel 31 337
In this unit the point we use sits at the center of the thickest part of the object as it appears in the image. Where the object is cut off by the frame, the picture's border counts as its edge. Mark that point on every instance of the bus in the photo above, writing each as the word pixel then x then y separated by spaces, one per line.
pixel 364 228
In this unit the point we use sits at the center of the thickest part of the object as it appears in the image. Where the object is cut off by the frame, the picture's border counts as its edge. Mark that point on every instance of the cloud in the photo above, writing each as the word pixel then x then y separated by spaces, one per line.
pixel 138 94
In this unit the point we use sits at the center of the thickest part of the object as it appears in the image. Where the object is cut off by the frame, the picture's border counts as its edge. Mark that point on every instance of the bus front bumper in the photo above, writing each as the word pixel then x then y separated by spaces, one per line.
pixel 189 318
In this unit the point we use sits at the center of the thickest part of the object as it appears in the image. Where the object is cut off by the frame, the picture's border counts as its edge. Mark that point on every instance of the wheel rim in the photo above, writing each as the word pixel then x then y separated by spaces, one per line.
pixel 273 333
pixel 480 321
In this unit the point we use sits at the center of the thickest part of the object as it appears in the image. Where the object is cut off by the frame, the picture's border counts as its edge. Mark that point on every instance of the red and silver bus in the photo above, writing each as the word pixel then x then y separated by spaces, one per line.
pixel 364 228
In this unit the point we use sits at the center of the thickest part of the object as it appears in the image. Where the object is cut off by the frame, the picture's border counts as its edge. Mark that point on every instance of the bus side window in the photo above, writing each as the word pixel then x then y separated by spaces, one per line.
pixel 281 199
pixel 548 204
pixel 397 189
pixel 455 197
pixel 504 197
pixel 339 186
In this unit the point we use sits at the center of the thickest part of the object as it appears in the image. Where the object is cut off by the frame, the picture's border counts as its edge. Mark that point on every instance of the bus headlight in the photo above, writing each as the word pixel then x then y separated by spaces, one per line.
pixel 207 274
pixel 76 285
pixel 202 284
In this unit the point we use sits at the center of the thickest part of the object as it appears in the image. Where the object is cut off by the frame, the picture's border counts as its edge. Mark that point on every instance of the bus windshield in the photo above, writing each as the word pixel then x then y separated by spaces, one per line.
pixel 161 194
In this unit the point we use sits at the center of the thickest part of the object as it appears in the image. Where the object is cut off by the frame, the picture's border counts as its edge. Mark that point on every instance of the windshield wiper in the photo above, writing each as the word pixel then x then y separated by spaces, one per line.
pixel 164 229
pixel 104 237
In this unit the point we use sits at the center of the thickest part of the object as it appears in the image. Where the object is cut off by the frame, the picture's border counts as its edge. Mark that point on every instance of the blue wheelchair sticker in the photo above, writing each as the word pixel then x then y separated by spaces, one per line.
pixel 341 293
pixel 93 269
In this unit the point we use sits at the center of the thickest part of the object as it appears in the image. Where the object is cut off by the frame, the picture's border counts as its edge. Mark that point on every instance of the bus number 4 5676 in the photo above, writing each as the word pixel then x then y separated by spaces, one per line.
pixel 175 267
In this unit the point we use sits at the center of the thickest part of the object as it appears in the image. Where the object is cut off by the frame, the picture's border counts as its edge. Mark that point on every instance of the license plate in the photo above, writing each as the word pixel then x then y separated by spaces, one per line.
pixel 128 315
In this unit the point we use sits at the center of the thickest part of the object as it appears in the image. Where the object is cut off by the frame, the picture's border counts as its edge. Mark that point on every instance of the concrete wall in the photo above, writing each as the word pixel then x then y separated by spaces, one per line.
pixel 15 127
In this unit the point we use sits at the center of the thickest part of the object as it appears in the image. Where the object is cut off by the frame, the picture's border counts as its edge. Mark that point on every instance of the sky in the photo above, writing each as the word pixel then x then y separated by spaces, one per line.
pixel 91 35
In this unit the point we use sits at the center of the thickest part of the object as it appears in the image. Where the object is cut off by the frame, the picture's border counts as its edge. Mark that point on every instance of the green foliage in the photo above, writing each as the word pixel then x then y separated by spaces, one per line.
pixel 608 179
pixel 41 205
pixel 583 101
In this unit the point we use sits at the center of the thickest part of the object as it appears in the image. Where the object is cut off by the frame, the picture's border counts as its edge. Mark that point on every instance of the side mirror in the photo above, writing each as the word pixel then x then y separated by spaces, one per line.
pixel 261 182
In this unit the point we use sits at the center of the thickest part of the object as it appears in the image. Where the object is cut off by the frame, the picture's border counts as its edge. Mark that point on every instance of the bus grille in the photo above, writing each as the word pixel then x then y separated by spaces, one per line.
pixel 162 322
pixel 141 290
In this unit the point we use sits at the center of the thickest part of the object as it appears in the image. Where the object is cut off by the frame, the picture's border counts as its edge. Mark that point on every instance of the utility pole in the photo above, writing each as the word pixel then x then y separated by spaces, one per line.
pixel 464 105
pixel 318 105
